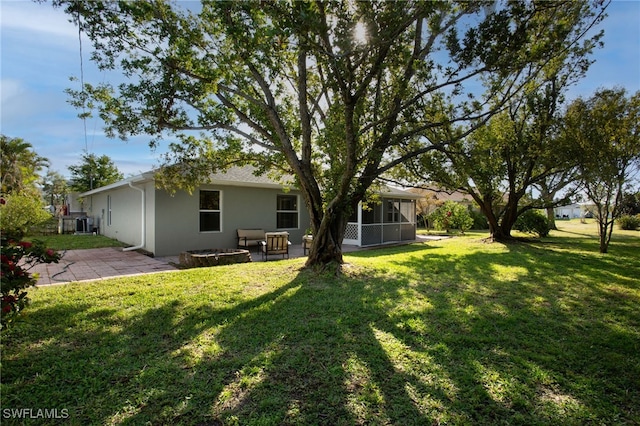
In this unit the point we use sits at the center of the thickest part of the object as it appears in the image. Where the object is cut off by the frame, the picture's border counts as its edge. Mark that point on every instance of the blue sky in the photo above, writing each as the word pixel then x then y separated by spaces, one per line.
pixel 40 52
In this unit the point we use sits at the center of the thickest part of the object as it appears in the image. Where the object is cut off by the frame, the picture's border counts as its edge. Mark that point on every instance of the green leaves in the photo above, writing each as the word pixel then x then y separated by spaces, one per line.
pixel 604 129
pixel 451 215
pixel 296 90
pixel 20 212
pixel 19 165
pixel 93 172
pixel 16 260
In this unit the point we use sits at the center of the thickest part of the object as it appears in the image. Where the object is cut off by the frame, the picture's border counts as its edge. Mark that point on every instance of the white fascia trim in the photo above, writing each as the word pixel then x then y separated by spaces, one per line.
pixel 145 177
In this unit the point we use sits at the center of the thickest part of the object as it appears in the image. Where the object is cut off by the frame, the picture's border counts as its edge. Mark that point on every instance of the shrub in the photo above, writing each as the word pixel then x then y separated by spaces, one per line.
pixel 20 212
pixel 451 215
pixel 533 222
pixel 479 220
pixel 16 260
pixel 628 222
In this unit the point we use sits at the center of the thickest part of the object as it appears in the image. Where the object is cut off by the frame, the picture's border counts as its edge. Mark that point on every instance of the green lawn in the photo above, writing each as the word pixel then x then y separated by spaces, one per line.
pixel 450 332
pixel 74 242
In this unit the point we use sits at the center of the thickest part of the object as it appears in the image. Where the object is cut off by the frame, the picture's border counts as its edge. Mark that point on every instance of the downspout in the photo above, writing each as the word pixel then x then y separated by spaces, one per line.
pixel 143 222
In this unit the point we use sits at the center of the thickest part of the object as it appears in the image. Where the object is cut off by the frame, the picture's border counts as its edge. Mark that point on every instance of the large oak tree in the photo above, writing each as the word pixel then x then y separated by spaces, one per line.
pixel 499 164
pixel 336 93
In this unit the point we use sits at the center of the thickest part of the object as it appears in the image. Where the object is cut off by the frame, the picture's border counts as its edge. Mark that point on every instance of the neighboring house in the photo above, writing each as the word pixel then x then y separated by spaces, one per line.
pixel 74 203
pixel 431 199
pixel 571 211
pixel 443 195
pixel 135 212
pixel 574 211
pixel 70 215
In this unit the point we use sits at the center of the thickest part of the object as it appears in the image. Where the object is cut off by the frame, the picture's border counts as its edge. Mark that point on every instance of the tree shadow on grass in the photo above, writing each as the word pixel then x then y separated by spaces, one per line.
pixel 305 353
pixel 551 340
pixel 448 340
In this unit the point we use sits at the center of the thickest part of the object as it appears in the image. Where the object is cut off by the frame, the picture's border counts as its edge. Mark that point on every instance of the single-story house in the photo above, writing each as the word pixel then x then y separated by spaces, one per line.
pixel 431 199
pixel 136 212
pixel 573 211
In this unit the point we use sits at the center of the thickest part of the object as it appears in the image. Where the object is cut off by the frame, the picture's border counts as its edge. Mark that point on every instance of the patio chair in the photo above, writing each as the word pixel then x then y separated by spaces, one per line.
pixel 275 243
pixel 248 238
pixel 307 240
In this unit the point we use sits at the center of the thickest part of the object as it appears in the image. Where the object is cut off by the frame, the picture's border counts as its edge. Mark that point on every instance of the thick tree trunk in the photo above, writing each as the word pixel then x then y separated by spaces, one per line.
pixel 500 229
pixel 487 210
pixel 499 234
pixel 494 229
pixel 551 218
pixel 547 197
pixel 509 217
pixel 326 249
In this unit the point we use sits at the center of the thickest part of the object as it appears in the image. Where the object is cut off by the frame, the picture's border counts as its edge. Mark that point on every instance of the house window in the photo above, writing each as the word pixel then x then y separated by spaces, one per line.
pixel 287 212
pixel 210 211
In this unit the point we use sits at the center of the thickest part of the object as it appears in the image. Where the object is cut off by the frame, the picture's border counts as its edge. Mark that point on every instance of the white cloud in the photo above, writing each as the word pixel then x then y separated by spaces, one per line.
pixel 32 18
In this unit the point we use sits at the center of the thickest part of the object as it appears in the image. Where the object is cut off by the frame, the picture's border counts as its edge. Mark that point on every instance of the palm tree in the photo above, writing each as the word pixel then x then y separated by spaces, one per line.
pixel 19 165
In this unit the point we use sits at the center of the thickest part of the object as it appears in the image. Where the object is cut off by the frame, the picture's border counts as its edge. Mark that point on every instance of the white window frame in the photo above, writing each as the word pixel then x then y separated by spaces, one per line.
pixel 219 211
pixel 297 210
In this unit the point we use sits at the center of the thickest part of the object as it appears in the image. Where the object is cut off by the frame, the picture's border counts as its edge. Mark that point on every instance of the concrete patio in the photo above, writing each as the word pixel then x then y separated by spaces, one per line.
pixel 96 264
pixel 102 263
pixel 110 262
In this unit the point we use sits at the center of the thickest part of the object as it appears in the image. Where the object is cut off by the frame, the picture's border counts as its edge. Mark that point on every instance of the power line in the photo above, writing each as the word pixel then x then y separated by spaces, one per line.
pixel 83 94
pixel 84 113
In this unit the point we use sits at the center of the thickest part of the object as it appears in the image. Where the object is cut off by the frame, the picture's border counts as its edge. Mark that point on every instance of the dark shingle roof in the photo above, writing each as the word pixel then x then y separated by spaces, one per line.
pixel 246 176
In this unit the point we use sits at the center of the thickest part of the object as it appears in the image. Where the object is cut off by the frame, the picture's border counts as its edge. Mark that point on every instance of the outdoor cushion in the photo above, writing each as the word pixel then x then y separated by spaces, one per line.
pixel 275 243
pixel 307 240
pixel 250 237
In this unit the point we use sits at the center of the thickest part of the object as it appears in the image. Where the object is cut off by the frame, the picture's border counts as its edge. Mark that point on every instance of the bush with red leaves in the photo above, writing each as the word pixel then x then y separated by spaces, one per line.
pixel 17 258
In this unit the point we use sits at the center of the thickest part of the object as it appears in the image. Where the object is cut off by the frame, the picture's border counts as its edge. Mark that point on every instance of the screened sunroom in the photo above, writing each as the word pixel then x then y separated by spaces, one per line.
pixel 389 221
